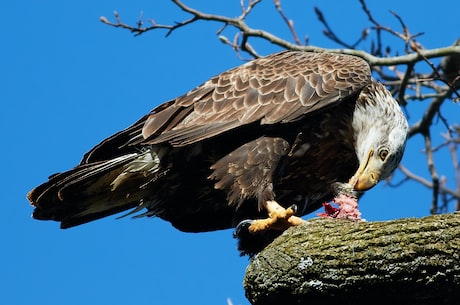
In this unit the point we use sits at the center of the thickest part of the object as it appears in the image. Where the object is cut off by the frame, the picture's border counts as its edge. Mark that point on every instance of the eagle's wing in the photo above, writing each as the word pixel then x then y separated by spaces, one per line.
pixel 279 88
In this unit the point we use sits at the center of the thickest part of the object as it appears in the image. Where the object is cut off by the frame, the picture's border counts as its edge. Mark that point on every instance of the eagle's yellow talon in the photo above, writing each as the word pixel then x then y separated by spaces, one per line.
pixel 295 221
pixel 279 218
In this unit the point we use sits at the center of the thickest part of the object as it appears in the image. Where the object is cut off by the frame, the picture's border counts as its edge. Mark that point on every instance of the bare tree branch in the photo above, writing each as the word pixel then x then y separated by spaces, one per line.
pixel 427 120
pixel 453 149
pixel 246 31
pixel 428 184
pixel 433 172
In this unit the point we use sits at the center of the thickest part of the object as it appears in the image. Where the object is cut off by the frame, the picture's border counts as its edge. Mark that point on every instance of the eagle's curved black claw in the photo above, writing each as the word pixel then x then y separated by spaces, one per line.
pixel 243 225
pixel 294 208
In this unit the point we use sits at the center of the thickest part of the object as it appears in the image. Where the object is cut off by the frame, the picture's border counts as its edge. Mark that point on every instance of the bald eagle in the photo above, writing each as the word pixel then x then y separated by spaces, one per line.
pixel 268 141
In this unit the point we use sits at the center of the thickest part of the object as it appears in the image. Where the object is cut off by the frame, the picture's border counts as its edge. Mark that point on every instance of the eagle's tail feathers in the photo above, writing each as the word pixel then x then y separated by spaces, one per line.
pixel 96 190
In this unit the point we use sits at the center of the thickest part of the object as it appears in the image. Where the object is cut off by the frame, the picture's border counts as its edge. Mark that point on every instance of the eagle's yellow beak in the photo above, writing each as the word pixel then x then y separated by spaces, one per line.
pixel 367 175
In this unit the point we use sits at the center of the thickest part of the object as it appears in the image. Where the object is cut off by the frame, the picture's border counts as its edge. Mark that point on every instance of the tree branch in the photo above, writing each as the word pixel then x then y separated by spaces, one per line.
pixel 425 122
pixel 407 261
pixel 246 31
pixel 288 22
pixel 432 169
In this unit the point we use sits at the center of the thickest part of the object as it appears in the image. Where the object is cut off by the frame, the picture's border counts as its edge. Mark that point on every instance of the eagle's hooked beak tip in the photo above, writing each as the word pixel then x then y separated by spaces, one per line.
pixel 366 181
pixel 365 177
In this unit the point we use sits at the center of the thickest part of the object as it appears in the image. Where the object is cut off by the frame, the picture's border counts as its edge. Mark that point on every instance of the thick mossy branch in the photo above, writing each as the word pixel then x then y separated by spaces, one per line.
pixel 406 261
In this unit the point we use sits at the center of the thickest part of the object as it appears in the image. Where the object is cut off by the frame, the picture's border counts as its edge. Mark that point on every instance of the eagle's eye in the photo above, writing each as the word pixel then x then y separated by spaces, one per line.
pixel 383 154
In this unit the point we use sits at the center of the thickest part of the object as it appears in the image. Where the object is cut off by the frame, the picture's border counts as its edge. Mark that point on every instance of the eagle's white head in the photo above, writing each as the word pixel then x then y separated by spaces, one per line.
pixel 380 136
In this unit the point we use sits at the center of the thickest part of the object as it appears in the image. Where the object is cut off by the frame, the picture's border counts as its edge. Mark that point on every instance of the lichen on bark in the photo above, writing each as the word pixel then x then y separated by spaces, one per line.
pixel 328 260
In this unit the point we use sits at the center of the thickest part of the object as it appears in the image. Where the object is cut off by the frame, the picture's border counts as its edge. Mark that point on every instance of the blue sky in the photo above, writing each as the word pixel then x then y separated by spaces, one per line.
pixel 68 81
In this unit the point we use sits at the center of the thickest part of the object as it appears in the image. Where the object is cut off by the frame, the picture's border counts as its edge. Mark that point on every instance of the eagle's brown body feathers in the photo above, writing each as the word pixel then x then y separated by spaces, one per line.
pixel 278 128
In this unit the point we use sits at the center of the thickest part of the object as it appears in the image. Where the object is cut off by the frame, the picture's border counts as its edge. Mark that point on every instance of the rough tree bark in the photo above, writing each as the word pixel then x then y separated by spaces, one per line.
pixel 406 261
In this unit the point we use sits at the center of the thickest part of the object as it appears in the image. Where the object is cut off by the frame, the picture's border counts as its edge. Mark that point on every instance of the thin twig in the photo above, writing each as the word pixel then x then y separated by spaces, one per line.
pixel 455 164
pixel 435 71
pixel 432 169
pixel 403 85
pixel 328 32
pixel 288 22
pixel 425 122
pixel 411 176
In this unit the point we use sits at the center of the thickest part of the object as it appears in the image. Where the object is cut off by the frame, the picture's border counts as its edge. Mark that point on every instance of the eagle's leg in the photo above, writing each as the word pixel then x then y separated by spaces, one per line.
pixel 279 218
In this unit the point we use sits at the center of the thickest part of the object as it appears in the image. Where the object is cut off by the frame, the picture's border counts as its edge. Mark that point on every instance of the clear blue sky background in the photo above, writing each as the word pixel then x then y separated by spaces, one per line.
pixel 67 81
